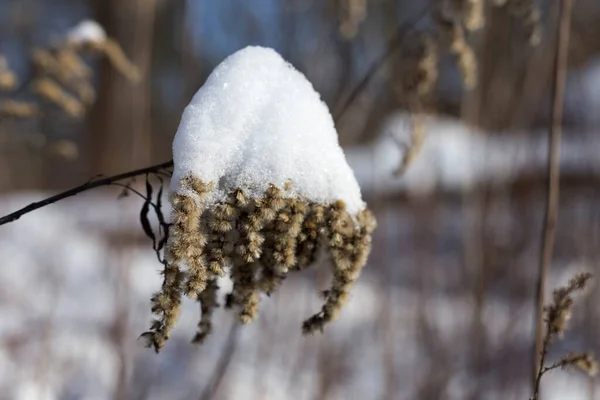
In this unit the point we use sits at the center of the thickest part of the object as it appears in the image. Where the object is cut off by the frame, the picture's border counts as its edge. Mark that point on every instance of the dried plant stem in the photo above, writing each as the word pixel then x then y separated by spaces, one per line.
pixel 539 367
pixel 551 213
pixel 92 184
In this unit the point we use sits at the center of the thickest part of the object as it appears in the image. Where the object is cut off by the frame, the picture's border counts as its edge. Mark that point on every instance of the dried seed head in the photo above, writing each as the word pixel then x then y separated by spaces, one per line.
pixel 558 313
pixel 239 198
pixel 584 362
pixel 8 80
pixel 113 51
pixel 258 242
pixel 18 109
pixel 166 305
pixel 451 35
pixel 347 260
pixel 66 67
pixel 52 92
pixel 208 303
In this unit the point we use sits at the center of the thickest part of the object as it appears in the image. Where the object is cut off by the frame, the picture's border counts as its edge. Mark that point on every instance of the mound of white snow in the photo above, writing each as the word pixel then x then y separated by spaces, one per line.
pixel 258 121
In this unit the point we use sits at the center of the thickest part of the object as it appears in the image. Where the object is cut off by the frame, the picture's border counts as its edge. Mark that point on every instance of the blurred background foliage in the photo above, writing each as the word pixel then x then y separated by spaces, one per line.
pixel 455 271
pixel 176 44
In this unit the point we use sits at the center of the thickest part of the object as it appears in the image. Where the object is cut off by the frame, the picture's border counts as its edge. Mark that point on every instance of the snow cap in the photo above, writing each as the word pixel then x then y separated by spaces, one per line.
pixel 258 121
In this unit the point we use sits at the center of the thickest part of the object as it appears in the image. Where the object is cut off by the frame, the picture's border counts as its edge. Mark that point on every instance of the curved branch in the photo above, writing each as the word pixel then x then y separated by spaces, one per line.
pixel 82 188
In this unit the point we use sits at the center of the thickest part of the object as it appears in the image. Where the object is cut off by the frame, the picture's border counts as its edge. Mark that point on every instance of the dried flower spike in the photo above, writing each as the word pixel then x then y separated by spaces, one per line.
pixel 452 33
pixel 260 184
pixel 51 91
pixel 584 362
pixel 18 109
pixel 557 315
pixel 558 312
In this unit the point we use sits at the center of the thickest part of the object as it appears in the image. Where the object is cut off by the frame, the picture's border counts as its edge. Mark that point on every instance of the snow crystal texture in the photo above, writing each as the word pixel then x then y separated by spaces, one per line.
pixel 258 121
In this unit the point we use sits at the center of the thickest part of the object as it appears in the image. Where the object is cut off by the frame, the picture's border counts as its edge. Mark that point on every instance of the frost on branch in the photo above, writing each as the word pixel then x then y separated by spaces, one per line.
pixel 260 187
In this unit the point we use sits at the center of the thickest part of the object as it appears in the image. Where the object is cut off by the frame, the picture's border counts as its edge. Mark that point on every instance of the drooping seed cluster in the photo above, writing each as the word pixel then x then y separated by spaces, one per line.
pixel 256 242
pixel 185 248
pixel 558 313
pixel 349 247
pixel 452 25
pixel 454 22
pixel 63 78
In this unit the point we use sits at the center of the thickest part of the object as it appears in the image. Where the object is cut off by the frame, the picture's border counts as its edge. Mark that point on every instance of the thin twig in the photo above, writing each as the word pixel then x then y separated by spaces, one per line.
pixel 540 370
pixel 82 188
pixel 132 190
pixel 391 47
pixel 551 212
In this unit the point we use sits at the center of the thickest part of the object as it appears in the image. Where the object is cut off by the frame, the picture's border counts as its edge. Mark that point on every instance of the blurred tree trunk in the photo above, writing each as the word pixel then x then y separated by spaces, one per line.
pixel 175 49
pixel 119 123
pixel 119 132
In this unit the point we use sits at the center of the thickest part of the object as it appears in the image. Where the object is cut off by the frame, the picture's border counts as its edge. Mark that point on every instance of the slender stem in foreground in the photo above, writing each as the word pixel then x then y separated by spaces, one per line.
pixel 551 212
pixel 94 183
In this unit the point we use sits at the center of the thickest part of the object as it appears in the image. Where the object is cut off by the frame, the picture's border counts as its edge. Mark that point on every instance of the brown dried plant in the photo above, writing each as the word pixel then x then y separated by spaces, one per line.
pixel 556 317
pixel 257 242
pixel 61 77
pixel 112 50
pixel 454 21
pixel 19 109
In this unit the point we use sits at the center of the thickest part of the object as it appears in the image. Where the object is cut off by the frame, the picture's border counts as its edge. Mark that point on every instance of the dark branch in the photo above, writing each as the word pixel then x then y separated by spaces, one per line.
pixel 82 188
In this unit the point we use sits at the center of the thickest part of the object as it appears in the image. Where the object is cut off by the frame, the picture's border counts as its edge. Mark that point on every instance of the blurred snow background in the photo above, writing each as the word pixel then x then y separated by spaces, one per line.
pixel 442 311
pixel 78 275
pixel 75 287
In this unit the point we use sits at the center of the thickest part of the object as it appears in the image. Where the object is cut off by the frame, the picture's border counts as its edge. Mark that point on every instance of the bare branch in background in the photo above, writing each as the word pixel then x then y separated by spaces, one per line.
pixel 392 46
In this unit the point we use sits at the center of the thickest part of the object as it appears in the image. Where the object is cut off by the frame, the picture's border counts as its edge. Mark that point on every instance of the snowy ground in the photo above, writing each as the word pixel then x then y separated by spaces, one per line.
pixel 74 296
pixel 455 157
